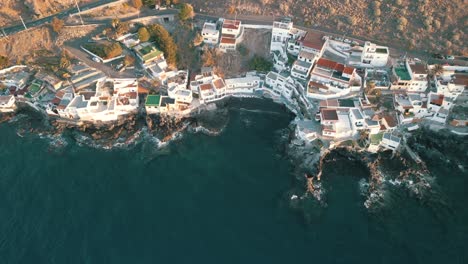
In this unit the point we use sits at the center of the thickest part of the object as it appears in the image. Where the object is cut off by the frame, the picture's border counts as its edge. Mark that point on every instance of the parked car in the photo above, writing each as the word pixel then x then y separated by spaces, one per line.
pixel 450 57
pixel 96 59
pixel 437 56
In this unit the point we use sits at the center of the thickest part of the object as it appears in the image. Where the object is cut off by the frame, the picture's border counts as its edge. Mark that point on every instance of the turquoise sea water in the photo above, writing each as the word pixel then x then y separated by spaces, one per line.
pixel 212 199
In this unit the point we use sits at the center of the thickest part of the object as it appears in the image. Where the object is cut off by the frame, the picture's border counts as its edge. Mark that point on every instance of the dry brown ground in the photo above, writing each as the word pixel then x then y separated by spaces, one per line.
pixel 256 42
pixel 10 10
pixel 25 46
pixel 434 25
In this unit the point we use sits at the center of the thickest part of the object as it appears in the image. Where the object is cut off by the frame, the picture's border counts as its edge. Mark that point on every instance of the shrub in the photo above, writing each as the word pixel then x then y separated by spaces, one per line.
pixel 165 42
pixel 137 4
pixel 186 12
pixel 143 34
pixel 57 24
pixel 4 62
pixel 260 64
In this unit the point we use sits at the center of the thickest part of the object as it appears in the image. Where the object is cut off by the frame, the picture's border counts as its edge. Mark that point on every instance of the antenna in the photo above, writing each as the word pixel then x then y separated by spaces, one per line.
pixel 79 12
pixel 23 23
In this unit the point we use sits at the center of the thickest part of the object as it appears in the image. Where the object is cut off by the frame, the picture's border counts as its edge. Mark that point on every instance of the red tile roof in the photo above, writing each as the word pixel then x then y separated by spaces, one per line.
pixel 329 114
pixel 438 99
pixel 418 68
pixel 313 40
pixel 231 24
pixel 219 83
pixel 332 65
pixel 228 41
pixel 461 79
pixel 391 121
pixel 206 86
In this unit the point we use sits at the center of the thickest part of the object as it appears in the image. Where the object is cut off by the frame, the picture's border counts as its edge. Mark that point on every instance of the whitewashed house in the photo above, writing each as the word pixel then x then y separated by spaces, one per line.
pixel 409 77
pixel 7 103
pixel 210 33
pixel 243 85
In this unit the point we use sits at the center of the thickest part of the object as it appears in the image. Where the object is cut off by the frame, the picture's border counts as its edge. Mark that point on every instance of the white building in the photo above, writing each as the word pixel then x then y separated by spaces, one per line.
pixel 177 82
pixel 212 91
pixel 410 77
pixel 207 75
pixel 152 104
pixel 439 105
pixel 210 33
pixel 243 85
pixel 280 83
pixel 231 27
pixel 329 79
pixel 227 44
pixel 335 124
pixel 371 55
pixel 231 35
pixel 7 103
pixel 112 98
pixel 451 84
pixel 390 141
pixel 303 65
pixel 281 33
pixel 410 106
pixel 16 79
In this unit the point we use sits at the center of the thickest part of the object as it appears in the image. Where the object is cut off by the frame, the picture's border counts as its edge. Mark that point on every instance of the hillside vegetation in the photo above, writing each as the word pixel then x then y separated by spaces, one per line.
pixel 432 25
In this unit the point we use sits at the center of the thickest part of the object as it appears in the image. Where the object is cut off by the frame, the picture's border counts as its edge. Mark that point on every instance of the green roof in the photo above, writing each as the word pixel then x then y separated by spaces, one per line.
pixel 35 86
pixel 152 100
pixel 376 138
pixel 402 73
pixel 148 52
pixel 346 102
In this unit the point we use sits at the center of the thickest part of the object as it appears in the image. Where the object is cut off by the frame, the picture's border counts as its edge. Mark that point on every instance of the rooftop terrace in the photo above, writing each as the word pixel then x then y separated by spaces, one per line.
pixel 402 72
pixel 153 100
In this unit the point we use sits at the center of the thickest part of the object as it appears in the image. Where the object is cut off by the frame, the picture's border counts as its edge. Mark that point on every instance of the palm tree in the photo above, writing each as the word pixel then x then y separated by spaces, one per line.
pixel 437 70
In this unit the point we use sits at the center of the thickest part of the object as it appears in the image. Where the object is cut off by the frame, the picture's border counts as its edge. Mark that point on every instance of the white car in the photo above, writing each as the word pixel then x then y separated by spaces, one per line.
pixel 450 57
pixel 96 59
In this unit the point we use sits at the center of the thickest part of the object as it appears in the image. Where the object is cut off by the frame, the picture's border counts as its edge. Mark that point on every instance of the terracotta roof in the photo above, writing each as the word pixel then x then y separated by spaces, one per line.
pixel 313 40
pixel 329 114
pixel 228 36
pixel 438 99
pixel 418 68
pixel 348 70
pixel 329 64
pixel 313 84
pixel 206 86
pixel 329 103
pixel 325 63
pixel 219 83
pixel 391 122
pixel 231 24
pixel 461 79
pixel 228 41
pixel 56 101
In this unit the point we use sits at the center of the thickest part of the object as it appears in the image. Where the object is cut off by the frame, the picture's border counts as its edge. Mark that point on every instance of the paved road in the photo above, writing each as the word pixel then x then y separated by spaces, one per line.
pixel 17 28
pixel 105 68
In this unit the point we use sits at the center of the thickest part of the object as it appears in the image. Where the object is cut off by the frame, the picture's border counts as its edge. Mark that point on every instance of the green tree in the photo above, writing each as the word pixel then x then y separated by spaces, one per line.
pixel 113 50
pixel 186 12
pixel 260 64
pixel 57 24
pixel 137 4
pixel 64 61
pixel 4 61
pixel 143 34
pixel 165 42
pixel 129 60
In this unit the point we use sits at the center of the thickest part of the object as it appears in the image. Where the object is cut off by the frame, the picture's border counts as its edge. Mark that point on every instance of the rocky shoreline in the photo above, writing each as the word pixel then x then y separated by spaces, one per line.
pixel 308 158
